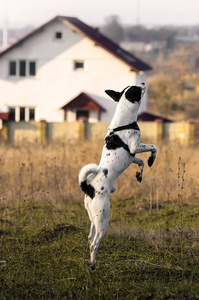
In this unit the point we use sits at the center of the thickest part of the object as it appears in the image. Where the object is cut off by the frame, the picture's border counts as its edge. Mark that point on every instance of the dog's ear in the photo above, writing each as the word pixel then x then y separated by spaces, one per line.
pixel 114 95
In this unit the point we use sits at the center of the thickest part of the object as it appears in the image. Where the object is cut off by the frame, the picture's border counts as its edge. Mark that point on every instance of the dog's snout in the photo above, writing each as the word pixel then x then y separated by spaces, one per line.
pixel 143 87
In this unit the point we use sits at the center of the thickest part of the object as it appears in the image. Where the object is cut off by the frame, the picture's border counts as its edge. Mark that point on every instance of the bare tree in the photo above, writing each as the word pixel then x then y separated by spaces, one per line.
pixel 113 29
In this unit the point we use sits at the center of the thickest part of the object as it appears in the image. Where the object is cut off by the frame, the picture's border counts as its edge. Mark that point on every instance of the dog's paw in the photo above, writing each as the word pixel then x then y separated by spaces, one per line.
pixel 92 266
pixel 113 189
pixel 89 264
pixel 138 176
pixel 150 161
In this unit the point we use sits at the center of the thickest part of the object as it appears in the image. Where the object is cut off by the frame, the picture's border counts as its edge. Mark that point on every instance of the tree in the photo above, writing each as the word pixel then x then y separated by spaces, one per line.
pixel 166 92
pixel 166 86
pixel 112 29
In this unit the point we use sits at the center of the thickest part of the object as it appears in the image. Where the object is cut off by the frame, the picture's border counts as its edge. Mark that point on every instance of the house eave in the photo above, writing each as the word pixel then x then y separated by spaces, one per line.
pixel 81 96
pixel 100 40
pixel 20 41
pixel 145 68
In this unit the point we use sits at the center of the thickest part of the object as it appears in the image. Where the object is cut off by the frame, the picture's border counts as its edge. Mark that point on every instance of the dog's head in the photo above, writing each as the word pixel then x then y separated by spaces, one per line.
pixel 132 93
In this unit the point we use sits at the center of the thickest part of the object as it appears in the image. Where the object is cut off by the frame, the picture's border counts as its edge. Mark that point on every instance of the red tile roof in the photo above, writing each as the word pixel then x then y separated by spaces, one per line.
pixel 133 62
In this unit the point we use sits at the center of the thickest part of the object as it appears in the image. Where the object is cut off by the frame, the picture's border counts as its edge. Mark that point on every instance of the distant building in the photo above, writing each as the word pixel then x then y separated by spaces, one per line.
pixel 140 43
pixel 60 71
pixel 181 39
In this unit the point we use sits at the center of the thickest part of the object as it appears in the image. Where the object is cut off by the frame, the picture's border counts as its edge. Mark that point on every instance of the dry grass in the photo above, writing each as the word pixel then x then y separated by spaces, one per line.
pixel 49 173
pixel 150 250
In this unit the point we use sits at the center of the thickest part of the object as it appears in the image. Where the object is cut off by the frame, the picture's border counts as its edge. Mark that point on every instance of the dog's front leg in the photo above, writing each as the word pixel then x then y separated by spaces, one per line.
pixel 147 148
pixel 140 164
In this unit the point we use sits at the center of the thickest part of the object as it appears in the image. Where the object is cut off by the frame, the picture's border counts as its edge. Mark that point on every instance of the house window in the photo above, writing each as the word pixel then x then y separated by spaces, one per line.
pixel 58 35
pixel 12 114
pixel 22 68
pixel 12 68
pixel 78 65
pixel 31 114
pixel 22 113
pixel 32 68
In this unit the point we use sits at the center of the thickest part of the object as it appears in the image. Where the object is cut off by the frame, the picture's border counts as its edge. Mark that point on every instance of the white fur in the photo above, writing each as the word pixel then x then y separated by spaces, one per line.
pixel 87 171
pixel 111 166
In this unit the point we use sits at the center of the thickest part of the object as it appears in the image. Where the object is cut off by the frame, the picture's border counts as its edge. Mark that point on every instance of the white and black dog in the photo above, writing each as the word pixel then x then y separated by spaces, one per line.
pixel 122 143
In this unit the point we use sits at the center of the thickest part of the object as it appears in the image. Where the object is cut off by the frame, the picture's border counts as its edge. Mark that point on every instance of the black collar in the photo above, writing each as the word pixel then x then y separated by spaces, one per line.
pixel 113 141
pixel 133 125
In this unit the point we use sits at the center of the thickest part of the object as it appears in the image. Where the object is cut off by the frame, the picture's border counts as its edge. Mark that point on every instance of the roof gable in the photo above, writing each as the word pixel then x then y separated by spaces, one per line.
pixel 28 36
pixel 83 101
pixel 92 33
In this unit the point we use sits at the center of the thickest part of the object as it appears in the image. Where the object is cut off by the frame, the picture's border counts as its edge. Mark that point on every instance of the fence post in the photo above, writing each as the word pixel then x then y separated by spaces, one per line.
pixel 190 132
pixel 81 128
pixel 181 133
pixel 43 133
pixel 4 132
pixel 158 130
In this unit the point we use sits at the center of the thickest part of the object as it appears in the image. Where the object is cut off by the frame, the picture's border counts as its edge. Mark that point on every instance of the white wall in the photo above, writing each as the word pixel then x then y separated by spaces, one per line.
pixel 56 82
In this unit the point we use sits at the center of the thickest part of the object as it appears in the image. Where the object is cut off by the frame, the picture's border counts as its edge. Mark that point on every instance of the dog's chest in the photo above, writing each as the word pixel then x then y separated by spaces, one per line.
pixel 125 113
pixel 114 161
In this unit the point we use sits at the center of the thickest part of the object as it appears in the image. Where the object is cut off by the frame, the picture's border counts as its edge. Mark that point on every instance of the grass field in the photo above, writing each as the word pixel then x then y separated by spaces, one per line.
pixel 150 251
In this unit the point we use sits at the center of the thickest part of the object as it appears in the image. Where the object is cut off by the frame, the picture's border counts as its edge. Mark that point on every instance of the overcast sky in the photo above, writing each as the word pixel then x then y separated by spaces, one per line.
pixel 93 12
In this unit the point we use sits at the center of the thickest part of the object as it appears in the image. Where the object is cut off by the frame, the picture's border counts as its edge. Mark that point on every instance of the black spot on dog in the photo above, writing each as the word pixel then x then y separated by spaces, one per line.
pixel 102 188
pixel 108 154
pixel 105 171
pixel 133 94
pixel 112 146
pixel 113 142
pixel 88 189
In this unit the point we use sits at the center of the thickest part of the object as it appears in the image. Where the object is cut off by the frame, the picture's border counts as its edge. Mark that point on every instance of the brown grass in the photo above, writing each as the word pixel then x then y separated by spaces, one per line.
pixel 49 173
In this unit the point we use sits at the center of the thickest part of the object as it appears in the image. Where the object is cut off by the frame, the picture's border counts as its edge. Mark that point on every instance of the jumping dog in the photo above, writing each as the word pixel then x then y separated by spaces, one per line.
pixel 122 143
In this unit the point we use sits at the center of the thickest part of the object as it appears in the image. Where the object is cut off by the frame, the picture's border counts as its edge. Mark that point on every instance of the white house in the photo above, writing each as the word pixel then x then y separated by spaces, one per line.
pixel 43 75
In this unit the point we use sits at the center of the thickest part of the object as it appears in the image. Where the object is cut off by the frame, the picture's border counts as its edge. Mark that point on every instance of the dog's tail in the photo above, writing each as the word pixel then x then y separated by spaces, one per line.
pixel 88 172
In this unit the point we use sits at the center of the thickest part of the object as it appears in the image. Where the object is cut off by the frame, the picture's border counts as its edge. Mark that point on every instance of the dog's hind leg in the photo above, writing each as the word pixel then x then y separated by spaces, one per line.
pixel 87 203
pixel 140 164
pixel 147 148
pixel 101 222
pixel 95 245
pixel 91 233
